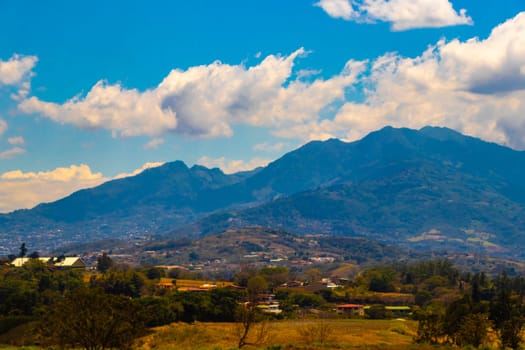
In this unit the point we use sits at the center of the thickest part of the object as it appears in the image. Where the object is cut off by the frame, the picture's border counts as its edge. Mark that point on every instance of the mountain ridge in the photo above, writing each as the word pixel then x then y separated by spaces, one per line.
pixel 412 181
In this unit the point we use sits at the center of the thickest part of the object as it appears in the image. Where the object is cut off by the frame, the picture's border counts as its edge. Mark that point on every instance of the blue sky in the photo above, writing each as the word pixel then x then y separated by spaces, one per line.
pixel 91 91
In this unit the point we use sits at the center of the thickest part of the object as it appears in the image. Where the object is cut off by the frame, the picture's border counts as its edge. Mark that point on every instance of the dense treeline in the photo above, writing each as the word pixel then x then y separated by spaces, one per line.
pixel 40 303
pixel 488 306
pixel 46 305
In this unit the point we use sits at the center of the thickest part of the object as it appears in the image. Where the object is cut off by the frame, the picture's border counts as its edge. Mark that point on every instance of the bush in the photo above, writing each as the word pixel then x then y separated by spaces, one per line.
pixel 318 332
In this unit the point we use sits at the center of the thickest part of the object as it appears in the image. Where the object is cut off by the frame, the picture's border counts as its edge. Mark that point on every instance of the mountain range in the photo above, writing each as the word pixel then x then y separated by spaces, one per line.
pixel 432 188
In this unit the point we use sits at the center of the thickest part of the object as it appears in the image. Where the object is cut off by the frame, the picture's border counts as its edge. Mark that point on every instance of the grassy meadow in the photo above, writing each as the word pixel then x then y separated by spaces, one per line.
pixel 289 334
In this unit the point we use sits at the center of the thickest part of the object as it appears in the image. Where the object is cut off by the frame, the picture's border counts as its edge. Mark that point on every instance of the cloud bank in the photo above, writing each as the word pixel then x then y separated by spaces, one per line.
pixel 402 14
pixel 20 189
pixel 476 87
pixel 203 101
pixel 27 189
pixel 232 166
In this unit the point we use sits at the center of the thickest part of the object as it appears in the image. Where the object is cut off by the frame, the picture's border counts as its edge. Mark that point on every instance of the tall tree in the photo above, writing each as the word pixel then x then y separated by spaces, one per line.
pixel 23 250
pixel 248 315
pixel 507 311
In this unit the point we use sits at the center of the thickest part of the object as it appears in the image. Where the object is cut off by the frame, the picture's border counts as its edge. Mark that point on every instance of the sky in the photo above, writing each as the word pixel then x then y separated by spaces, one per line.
pixel 97 90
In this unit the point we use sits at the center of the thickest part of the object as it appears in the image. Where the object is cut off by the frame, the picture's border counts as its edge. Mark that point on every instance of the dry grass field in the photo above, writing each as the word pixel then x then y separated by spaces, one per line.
pixel 284 335
pixel 289 335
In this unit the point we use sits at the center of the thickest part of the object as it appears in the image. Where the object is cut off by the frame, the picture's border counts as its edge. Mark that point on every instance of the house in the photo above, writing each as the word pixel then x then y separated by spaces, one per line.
pixel 19 262
pixel 399 311
pixel 351 309
pixel 272 308
pixel 69 262
pixel 165 285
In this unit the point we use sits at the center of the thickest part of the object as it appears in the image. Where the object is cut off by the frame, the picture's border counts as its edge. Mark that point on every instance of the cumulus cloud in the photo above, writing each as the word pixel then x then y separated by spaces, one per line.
pixel 27 189
pixel 339 9
pixel 232 166
pixel 402 14
pixel 203 101
pixel 17 69
pixel 20 189
pixel 126 111
pixel 476 86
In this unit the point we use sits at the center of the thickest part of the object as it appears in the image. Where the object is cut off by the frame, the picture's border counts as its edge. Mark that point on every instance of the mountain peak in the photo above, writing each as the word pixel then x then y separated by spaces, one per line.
pixel 324 186
pixel 442 133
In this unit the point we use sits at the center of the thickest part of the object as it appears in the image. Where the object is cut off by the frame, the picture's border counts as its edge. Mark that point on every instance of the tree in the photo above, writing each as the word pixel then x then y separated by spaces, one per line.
pixel 430 325
pixel 154 273
pixel 128 283
pixel 193 256
pixel 104 262
pixel 380 279
pixel 93 320
pixel 34 255
pixel 507 310
pixel 473 330
pixel 248 314
pixel 252 328
pixel 377 312
pixel 275 276
pixel 23 250
pixel 244 274
pixel 256 285
pixel 313 275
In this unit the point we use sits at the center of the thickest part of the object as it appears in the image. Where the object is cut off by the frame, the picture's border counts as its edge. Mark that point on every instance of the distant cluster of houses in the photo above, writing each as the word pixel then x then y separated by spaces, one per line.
pixel 359 310
pixel 266 302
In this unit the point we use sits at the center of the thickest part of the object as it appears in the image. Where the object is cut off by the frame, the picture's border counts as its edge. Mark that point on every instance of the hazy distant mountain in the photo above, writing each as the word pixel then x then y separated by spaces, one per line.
pixel 423 188
pixel 432 189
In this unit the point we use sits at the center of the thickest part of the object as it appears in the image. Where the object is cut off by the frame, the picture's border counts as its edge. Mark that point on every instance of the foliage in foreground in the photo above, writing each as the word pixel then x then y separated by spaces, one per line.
pixel 489 308
pixel 93 320
pixel 289 334
pixel 109 310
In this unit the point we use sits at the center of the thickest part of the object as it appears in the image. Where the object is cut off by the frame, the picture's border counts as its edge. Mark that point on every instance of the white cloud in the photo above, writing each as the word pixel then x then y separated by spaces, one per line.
pixel 232 166
pixel 338 9
pixel 270 147
pixel 148 165
pixel 11 153
pixel 16 140
pixel 204 101
pixel 3 126
pixel 476 86
pixel 20 189
pixel 27 189
pixel 154 143
pixel 17 69
pixel 112 107
pixel 402 14
pixel 314 130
